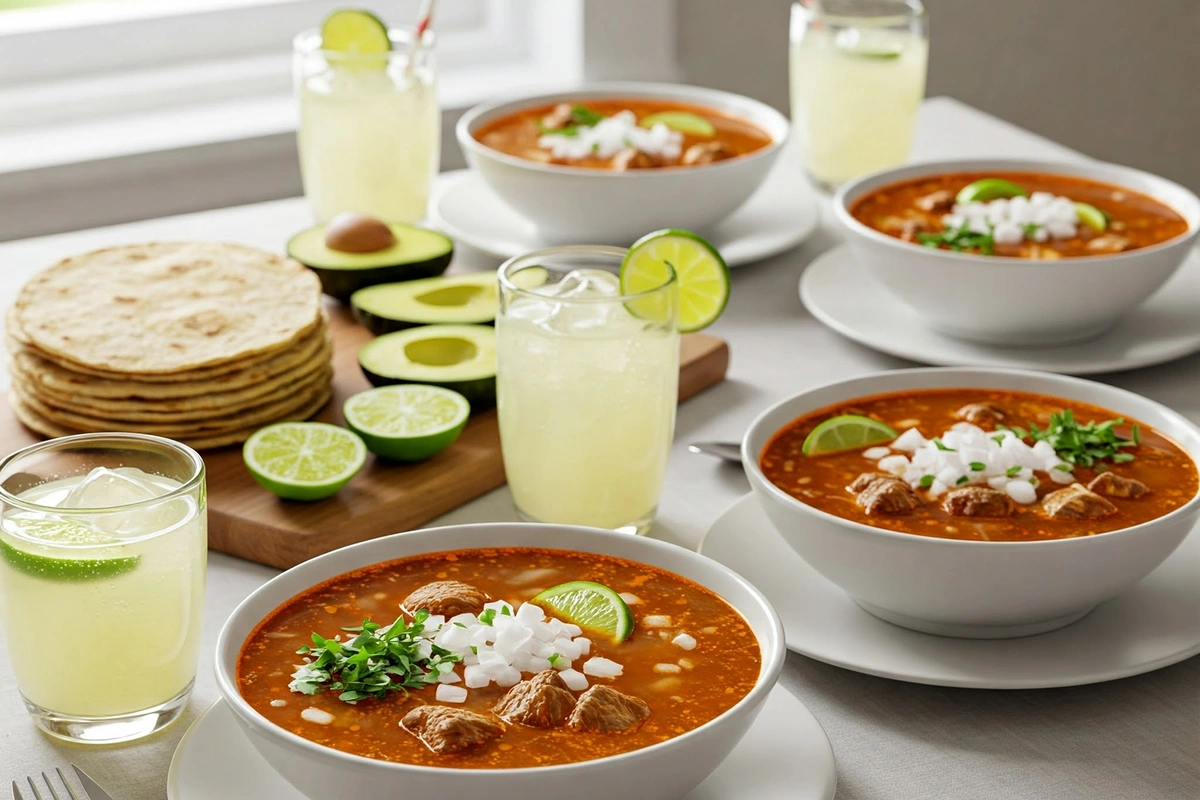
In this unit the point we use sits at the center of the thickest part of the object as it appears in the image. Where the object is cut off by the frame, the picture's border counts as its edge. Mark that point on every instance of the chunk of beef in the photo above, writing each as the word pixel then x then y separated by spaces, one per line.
pixel 558 117
pixel 1115 486
pixel 978 501
pixel 543 701
pixel 602 709
pixel 941 200
pixel 706 153
pixel 631 158
pixel 450 730
pixel 1109 243
pixel 985 415
pixel 884 494
pixel 1077 502
pixel 446 598
pixel 906 228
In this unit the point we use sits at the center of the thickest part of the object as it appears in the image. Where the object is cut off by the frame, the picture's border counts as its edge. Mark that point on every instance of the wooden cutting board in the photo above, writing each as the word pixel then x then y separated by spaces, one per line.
pixel 247 521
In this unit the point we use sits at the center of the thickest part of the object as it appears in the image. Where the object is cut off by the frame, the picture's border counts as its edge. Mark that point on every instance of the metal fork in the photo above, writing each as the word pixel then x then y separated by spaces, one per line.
pixel 85 781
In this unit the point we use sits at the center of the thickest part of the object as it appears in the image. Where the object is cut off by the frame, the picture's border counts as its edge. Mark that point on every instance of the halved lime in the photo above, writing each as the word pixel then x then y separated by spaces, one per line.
pixel 985 189
pixel 57 562
pixel 701 272
pixel 1091 216
pixel 847 432
pixel 303 460
pixel 682 121
pixel 409 422
pixel 356 32
pixel 592 606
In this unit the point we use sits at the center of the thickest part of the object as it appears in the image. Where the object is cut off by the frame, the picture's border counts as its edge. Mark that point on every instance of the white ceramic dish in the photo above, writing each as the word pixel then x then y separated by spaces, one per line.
pixel 1164 328
pixel 784 756
pixel 776 218
pixel 1016 301
pixel 574 204
pixel 966 588
pixel 325 772
pixel 1154 624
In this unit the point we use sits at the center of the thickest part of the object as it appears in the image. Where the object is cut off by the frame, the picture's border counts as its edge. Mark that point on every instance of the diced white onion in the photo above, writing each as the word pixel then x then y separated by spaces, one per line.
pixel 876 453
pixel 599 667
pixel 684 641
pixel 278 703
pixel 576 681
pixel 656 621
pixel 316 715
pixel 630 598
pixel 450 694
pixel 668 669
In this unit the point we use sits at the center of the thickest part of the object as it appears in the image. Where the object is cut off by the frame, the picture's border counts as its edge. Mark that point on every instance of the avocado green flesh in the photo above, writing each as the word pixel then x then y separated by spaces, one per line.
pixel 418 253
pixel 458 357
pixel 462 299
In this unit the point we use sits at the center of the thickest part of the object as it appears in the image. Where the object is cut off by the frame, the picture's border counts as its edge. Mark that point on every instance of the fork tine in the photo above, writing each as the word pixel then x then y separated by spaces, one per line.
pixel 50 786
pixel 16 790
pixel 33 786
pixel 66 783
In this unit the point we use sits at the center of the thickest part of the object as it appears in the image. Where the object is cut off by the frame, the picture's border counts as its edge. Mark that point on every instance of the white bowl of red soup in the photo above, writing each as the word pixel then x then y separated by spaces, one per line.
pixel 973 502
pixel 470 687
pixel 1019 252
pixel 612 161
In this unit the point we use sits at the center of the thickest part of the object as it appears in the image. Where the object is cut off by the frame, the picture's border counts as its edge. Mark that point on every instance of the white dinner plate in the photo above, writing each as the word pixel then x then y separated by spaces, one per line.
pixel 779 216
pixel 842 294
pixel 1152 625
pixel 784 756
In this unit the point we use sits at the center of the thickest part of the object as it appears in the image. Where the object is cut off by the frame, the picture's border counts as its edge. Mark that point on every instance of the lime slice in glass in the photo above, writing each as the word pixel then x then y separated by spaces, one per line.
pixel 682 121
pixel 73 551
pixel 985 189
pixel 356 33
pixel 303 460
pixel 701 272
pixel 592 606
pixel 847 432
pixel 1091 216
pixel 409 422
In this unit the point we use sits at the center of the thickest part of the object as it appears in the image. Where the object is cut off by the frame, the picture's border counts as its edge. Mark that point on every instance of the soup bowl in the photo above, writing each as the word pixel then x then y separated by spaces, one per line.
pixel 597 205
pixel 1018 301
pixel 969 588
pixel 663 771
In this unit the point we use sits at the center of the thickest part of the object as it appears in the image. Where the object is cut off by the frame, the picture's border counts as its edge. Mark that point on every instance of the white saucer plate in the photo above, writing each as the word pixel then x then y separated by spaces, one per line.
pixel 776 218
pixel 1153 625
pixel 784 756
pixel 843 296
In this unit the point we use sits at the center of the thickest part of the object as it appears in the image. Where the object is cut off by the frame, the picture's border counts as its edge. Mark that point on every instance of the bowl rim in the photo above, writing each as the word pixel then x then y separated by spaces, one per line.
pixel 853 190
pixel 647 89
pixel 759 482
pixel 771 642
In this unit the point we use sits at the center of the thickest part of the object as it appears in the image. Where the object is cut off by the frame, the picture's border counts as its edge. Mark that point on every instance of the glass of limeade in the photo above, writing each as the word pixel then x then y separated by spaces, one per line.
pixel 587 384
pixel 857 79
pixel 103 543
pixel 370 130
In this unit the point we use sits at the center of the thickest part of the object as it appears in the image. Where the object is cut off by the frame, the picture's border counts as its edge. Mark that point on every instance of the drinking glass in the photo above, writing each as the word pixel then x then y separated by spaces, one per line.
pixel 857 79
pixel 370 130
pixel 103 543
pixel 587 386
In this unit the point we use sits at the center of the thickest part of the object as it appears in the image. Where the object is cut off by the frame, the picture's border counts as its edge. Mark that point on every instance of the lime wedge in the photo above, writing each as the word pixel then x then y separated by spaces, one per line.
pixel 682 121
pixel 1091 216
pixel 847 432
pixel 592 606
pixel 93 560
pixel 986 189
pixel 701 272
pixel 356 32
pixel 303 460
pixel 409 422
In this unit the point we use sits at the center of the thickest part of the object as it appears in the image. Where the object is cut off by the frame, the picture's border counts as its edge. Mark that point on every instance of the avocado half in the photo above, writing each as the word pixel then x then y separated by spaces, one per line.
pixel 458 357
pixel 459 299
pixel 417 253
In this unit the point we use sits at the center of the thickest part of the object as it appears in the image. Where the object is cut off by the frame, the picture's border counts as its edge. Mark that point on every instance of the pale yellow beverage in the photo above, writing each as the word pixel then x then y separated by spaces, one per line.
pixel 587 395
pixel 369 133
pixel 856 85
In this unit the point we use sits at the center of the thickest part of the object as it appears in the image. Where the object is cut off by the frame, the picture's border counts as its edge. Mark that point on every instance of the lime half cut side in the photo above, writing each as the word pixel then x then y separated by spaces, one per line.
pixel 701 272
pixel 72 551
pixel 408 422
pixel 592 606
pixel 847 432
pixel 304 460
pixel 986 189
pixel 682 121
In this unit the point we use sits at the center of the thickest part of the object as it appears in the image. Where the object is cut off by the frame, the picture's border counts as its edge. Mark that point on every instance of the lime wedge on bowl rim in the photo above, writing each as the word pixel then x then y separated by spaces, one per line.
pixel 1091 216
pixel 72 551
pixel 303 460
pixel 701 272
pixel 846 432
pixel 682 121
pixel 592 606
pixel 985 189
pixel 353 32
pixel 408 422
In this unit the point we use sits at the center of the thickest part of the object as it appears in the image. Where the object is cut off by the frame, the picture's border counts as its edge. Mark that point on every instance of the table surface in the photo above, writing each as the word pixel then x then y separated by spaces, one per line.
pixel 1134 738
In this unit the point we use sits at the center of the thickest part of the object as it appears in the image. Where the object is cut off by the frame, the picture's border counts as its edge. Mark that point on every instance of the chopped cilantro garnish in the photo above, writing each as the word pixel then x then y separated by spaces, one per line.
pixel 961 480
pixel 940 445
pixel 978 466
pixel 926 481
pixel 1012 472
pixel 554 657
pixel 1084 445
pixel 960 239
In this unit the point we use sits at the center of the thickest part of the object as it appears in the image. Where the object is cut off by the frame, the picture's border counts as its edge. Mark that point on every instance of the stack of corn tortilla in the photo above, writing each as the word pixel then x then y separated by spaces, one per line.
pixel 200 342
